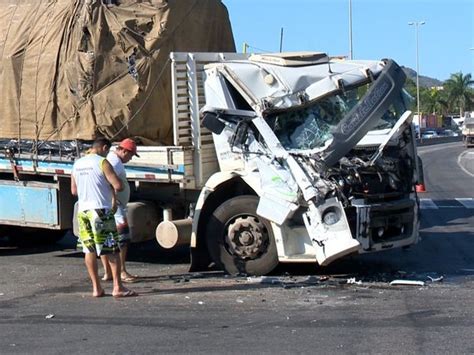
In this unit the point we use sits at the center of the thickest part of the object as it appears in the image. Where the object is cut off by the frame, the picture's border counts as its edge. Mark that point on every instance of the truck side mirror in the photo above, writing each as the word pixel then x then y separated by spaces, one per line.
pixel 212 122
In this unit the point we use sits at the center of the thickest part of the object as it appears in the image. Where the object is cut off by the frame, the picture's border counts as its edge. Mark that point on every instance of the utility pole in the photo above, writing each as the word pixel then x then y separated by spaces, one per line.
pixel 281 39
pixel 417 24
pixel 351 55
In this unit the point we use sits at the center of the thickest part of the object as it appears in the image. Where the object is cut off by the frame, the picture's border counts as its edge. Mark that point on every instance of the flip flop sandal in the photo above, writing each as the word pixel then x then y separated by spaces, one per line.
pixel 129 279
pixel 128 293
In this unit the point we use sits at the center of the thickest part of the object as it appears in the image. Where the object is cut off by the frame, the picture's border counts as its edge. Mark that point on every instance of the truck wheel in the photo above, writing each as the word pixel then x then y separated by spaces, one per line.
pixel 240 241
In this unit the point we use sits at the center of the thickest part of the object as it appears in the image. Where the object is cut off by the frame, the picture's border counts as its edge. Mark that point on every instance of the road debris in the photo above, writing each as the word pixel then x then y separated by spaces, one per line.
pixel 50 316
pixel 264 280
pixel 353 281
pixel 407 283
pixel 436 279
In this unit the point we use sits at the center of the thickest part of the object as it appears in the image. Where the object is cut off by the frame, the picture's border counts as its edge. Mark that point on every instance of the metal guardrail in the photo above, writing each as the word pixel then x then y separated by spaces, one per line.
pixel 437 140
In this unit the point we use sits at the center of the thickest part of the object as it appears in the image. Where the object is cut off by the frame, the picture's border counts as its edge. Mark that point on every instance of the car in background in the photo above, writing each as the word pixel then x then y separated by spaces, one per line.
pixel 429 134
pixel 449 133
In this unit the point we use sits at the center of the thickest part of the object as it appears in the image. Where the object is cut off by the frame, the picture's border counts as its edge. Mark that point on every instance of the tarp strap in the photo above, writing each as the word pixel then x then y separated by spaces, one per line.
pixel 10 154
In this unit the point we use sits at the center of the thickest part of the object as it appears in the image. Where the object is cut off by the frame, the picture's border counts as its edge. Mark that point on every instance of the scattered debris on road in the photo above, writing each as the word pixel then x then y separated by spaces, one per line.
pixel 353 281
pixel 436 279
pixel 407 283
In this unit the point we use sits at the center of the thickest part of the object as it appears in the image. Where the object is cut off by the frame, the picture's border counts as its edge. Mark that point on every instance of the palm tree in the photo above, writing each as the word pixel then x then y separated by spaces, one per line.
pixel 434 101
pixel 460 94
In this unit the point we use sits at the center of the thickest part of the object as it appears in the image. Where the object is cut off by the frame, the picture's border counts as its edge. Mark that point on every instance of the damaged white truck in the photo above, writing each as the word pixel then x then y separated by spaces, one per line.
pixel 317 160
pixel 310 159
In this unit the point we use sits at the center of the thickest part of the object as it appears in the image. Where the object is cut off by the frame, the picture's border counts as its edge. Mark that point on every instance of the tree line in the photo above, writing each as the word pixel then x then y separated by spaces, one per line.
pixel 456 95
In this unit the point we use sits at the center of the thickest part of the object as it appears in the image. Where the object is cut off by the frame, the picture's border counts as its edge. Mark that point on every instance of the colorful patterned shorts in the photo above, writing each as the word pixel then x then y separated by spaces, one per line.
pixel 122 225
pixel 97 232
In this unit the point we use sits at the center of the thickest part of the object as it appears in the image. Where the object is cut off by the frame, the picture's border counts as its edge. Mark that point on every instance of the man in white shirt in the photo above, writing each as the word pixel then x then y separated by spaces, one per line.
pixel 117 158
pixel 95 183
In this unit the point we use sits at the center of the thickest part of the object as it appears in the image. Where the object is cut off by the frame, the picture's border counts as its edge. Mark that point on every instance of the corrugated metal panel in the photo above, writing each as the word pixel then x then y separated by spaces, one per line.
pixel 188 98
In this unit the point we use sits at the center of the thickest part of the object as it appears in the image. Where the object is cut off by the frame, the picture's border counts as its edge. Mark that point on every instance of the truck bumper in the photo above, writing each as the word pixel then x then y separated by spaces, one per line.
pixel 376 227
pixel 385 225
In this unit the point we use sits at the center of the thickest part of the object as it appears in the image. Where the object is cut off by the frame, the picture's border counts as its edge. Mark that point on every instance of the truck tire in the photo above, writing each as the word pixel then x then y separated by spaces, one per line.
pixel 240 241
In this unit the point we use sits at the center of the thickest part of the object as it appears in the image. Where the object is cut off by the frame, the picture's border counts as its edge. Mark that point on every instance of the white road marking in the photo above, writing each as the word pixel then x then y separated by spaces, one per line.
pixel 460 157
pixel 466 202
pixel 427 204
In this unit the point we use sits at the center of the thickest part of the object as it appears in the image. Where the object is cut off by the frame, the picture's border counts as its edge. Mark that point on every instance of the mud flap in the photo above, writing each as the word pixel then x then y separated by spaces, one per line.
pixel 329 231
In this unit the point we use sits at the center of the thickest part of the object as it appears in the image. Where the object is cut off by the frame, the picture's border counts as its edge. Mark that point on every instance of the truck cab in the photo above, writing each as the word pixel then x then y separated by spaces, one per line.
pixel 317 160
pixel 468 131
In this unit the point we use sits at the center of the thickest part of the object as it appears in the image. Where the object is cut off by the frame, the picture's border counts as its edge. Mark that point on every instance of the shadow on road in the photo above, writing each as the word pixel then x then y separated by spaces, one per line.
pixel 446 252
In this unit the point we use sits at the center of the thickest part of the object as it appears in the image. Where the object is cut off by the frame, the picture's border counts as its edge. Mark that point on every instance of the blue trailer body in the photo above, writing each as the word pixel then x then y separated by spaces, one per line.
pixel 29 204
pixel 35 191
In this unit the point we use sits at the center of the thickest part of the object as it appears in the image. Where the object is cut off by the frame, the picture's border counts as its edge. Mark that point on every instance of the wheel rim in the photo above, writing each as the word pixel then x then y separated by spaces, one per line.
pixel 246 237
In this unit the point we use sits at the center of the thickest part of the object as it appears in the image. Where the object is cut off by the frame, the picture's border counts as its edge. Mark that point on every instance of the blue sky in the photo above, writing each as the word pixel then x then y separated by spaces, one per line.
pixel 379 30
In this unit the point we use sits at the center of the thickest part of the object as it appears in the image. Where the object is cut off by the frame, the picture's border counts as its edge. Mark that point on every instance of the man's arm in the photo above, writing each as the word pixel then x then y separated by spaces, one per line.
pixel 73 186
pixel 111 176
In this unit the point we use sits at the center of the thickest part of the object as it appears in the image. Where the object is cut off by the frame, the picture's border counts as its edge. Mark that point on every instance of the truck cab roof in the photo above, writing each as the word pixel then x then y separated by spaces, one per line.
pixel 291 59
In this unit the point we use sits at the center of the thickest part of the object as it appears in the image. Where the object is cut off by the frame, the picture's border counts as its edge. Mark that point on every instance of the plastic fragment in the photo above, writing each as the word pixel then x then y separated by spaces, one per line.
pixel 353 280
pixel 264 280
pixel 407 283
pixel 436 279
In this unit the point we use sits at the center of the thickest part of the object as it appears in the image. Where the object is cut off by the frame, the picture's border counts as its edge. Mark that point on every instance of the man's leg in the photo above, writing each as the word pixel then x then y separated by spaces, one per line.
pixel 108 240
pixel 91 265
pixel 119 290
pixel 107 271
pixel 114 262
pixel 123 231
pixel 123 258
pixel 86 238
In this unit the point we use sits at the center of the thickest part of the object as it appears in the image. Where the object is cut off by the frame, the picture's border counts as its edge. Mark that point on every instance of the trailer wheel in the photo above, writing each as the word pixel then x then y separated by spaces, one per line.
pixel 240 241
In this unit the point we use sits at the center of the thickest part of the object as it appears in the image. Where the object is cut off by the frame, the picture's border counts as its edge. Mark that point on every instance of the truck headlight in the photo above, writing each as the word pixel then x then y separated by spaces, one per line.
pixel 331 216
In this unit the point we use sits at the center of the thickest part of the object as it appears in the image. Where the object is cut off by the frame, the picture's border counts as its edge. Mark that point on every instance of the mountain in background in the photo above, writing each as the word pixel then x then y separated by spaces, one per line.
pixel 425 81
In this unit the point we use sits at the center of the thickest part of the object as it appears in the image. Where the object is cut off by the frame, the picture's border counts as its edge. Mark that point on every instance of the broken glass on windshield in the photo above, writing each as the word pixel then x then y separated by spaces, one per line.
pixel 311 127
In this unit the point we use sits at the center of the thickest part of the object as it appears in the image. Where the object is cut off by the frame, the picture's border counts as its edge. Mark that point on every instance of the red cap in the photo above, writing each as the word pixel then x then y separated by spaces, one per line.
pixel 130 145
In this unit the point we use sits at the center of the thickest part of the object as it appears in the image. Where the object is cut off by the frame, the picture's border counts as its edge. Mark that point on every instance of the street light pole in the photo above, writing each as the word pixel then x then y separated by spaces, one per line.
pixel 417 24
pixel 350 30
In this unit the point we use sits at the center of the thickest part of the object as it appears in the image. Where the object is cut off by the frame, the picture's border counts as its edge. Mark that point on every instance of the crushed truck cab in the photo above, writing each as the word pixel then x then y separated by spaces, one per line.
pixel 317 160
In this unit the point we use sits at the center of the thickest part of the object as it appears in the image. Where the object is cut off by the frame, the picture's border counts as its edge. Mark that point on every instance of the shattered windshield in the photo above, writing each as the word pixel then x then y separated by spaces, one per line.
pixel 311 127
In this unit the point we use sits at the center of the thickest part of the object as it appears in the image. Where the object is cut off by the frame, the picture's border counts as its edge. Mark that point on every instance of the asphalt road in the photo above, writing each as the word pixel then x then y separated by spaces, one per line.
pixel 46 308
